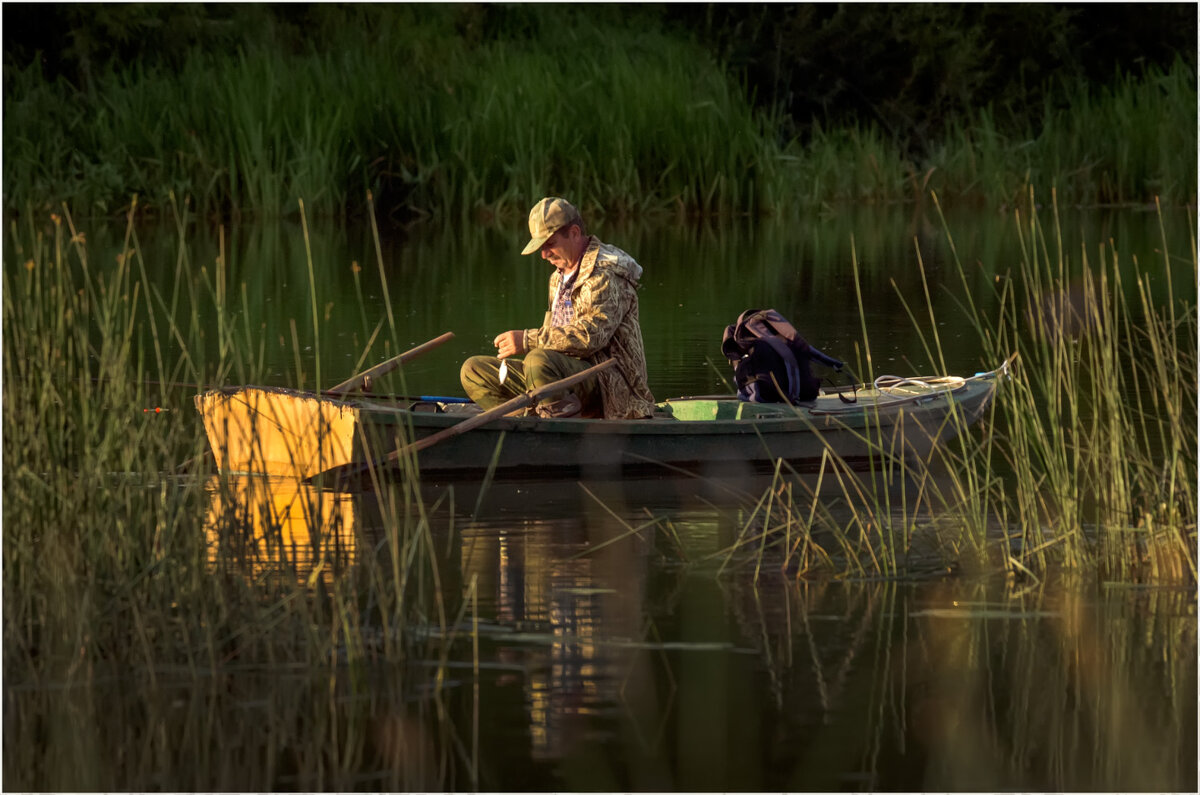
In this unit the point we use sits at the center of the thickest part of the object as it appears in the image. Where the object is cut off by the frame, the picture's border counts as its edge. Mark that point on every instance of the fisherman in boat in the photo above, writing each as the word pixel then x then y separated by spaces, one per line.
pixel 593 317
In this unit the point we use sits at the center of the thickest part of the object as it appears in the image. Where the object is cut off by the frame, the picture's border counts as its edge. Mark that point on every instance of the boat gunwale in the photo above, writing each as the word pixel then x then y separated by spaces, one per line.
pixel 400 410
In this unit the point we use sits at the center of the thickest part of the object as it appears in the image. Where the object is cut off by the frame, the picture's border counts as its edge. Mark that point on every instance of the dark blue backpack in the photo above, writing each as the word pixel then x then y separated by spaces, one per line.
pixel 771 360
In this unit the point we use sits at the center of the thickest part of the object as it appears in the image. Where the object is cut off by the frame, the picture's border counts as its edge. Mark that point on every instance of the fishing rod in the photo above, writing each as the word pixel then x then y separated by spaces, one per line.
pixel 356 386
pixel 330 393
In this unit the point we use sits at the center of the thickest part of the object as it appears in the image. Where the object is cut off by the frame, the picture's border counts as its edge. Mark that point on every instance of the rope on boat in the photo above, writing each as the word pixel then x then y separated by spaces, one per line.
pixel 938 385
pixel 886 384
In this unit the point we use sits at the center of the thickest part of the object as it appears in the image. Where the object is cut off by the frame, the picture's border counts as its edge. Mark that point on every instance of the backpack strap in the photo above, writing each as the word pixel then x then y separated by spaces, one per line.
pixel 758 325
pixel 730 346
pixel 788 331
pixel 790 365
pixel 781 326
pixel 768 320
pixel 826 359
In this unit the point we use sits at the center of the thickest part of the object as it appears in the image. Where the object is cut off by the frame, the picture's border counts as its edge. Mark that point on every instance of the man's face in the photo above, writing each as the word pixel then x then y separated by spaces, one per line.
pixel 564 249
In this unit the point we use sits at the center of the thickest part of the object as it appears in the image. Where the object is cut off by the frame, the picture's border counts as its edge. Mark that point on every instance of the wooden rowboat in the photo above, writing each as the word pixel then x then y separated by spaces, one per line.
pixel 287 433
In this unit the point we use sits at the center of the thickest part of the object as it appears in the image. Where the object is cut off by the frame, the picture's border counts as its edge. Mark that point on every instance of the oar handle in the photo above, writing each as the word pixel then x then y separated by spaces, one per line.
pixel 519 402
pixel 391 364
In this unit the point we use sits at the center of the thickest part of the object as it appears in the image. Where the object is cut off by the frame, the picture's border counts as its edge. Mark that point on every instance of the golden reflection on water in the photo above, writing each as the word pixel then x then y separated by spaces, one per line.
pixel 279 526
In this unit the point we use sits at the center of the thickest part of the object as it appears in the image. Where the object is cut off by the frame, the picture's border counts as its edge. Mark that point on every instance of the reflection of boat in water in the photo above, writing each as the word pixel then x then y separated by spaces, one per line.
pixel 264 525
pixel 288 433
pixel 261 525
pixel 560 621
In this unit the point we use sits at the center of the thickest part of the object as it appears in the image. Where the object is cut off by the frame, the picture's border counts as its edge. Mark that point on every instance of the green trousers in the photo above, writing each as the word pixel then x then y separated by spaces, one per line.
pixel 480 376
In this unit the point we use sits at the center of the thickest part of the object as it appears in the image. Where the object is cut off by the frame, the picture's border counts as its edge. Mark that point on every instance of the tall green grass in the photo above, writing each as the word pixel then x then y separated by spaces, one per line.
pixel 134 618
pixel 982 684
pixel 409 112
pixel 625 121
pixel 1103 419
pixel 1131 141
pixel 1087 463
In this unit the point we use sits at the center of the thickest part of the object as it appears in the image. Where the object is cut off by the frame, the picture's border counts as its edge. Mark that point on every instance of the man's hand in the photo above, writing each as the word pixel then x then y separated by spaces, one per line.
pixel 510 343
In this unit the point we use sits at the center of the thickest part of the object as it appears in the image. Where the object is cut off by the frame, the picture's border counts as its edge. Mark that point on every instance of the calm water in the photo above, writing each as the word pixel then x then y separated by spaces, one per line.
pixel 615 649
pixel 613 661
pixel 472 281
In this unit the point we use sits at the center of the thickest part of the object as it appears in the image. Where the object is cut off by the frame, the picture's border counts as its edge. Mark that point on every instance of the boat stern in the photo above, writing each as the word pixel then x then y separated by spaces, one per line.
pixel 276 432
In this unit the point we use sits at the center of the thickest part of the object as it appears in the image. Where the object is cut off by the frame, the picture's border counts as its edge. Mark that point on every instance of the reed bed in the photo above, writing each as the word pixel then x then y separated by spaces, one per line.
pixel 1086 464
pixel 139 606
pixel 438 125
pixel 1129 142
pixel 412 114
pixel 141 613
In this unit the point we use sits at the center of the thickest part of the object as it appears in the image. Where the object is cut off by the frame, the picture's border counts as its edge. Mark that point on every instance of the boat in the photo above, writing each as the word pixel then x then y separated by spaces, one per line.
pixel 279 432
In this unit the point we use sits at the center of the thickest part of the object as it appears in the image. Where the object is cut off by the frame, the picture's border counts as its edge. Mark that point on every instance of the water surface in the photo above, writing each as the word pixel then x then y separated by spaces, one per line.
pixel 598 636
pixel 574 654
pixel 698 278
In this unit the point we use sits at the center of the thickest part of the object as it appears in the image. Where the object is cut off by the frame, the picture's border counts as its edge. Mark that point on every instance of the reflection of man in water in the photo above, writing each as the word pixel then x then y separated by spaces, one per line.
pixel 593 317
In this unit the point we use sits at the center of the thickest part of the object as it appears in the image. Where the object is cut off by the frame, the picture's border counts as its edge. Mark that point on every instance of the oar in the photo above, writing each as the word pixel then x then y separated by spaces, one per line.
pixel 519 402
pixel 386 367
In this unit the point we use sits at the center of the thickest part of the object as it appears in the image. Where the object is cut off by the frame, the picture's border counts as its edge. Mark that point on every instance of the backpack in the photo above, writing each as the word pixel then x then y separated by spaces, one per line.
pixel 771 360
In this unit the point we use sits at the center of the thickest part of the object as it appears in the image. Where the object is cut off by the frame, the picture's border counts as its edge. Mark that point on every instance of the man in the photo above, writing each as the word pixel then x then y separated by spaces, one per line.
pixel 593 317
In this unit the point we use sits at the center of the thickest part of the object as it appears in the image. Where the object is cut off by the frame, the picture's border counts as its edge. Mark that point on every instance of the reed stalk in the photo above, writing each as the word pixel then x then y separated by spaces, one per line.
pixel 113 568
pixel 1086 462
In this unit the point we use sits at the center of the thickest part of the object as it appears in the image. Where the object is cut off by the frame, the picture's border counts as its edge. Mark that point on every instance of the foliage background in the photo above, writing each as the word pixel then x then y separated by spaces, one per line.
pixel 696 108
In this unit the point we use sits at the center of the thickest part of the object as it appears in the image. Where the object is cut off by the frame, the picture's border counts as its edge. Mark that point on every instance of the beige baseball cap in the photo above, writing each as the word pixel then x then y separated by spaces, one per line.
pixel 547 217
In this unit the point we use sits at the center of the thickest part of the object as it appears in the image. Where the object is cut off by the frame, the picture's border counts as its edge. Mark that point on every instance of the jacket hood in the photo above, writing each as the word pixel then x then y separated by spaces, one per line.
pixel 613 259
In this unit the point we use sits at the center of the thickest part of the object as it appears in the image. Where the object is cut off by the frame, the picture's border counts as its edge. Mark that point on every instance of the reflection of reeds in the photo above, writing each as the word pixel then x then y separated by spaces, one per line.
pixel 1087 459
pixel 131 632
pixel 978 686
pixel 1046 691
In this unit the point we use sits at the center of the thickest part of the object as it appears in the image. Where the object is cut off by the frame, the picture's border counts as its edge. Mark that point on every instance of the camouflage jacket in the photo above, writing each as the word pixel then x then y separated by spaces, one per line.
pixel 605 327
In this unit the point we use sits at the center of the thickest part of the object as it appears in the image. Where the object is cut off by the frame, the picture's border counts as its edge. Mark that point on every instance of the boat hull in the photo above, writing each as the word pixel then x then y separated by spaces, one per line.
pixel 285 433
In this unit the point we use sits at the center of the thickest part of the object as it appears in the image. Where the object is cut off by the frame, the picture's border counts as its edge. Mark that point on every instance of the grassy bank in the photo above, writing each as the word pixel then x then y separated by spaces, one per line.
pixel 1086 465
pixel 438 122
pixel 427 122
